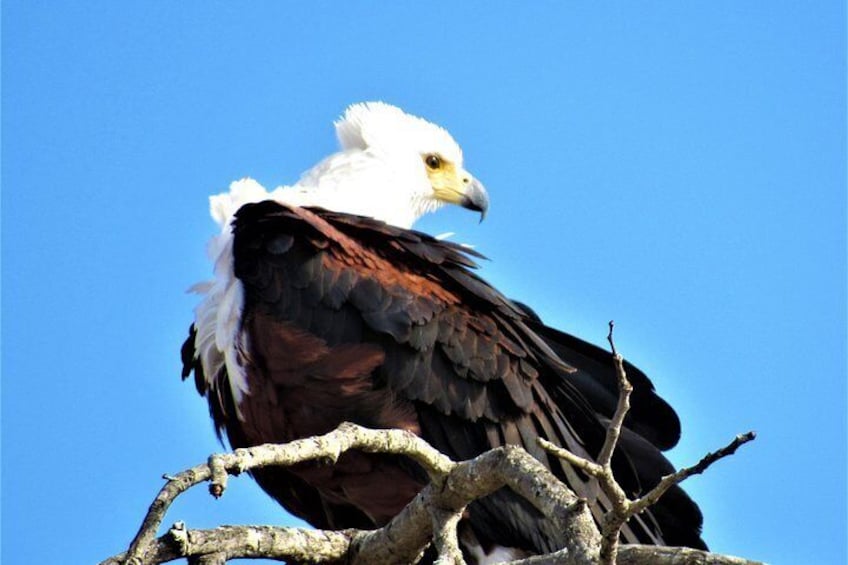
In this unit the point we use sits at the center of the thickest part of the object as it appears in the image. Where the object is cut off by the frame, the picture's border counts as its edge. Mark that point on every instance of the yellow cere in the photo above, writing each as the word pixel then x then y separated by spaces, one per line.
pixel 449 182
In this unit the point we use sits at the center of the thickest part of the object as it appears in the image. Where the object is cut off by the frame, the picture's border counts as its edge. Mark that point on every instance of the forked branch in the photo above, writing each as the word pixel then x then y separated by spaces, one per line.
pixel 623 507
pixel 433 515
pixel 434 512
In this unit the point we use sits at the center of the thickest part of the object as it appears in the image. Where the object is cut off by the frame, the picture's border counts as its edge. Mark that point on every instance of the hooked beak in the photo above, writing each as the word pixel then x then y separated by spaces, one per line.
pixel 457 186
pixel 475 197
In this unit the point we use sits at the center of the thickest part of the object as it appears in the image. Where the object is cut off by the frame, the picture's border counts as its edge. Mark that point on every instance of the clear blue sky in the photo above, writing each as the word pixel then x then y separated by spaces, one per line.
pixel 678 167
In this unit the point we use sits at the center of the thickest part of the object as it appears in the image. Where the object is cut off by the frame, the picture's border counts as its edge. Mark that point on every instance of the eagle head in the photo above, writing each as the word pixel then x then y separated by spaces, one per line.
pixel 392 166
pixel 420 164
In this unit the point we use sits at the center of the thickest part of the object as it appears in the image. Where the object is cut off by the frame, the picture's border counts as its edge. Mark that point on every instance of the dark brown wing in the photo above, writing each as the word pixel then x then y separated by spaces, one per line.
pixel 650 416
pixel 346 318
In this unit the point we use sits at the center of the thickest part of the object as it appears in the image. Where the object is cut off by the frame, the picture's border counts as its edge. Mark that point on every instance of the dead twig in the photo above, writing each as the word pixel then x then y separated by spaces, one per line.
pixel 622 507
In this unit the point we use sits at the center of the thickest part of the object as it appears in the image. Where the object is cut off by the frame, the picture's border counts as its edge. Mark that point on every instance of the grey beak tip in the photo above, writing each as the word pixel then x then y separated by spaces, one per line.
pixel 477 199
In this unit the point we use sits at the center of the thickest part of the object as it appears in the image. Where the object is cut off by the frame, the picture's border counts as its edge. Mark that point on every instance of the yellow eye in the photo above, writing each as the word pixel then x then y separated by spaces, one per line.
pixel 433 161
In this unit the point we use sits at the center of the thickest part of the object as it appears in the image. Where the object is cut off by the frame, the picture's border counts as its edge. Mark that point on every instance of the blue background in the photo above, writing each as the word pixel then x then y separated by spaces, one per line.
pixel 678 167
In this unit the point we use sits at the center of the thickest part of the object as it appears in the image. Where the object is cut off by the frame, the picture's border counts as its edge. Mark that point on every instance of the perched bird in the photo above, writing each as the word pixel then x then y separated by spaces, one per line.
pixel 326 307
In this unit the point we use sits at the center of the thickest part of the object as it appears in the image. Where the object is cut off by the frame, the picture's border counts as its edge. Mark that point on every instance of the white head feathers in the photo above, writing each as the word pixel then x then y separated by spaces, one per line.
pixel 383 127
pixel 392 166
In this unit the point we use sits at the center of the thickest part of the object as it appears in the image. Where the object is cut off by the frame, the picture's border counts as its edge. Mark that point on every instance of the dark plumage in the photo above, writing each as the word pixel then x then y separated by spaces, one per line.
pixel 350 319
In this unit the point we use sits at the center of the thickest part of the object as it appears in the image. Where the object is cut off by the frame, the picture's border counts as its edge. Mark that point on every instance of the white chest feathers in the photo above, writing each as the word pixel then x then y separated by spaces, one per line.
pixel 219 343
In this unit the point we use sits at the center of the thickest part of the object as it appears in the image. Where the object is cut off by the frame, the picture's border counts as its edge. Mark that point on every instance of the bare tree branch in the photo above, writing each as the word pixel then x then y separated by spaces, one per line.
pixel 435 510
pixel 267 542
pixel 445 537
pixel 452 487
pixel 621 409
pixel 661 555
pixel 642 503
pixel 432 516
pixel 331 547
pixel 623 508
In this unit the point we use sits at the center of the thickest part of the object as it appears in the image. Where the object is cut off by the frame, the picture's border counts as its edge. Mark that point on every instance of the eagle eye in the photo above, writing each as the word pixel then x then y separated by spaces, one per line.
pixel 433 161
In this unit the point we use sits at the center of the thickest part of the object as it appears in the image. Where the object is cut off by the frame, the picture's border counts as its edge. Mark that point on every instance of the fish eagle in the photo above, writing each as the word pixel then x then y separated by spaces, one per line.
pixel 327 307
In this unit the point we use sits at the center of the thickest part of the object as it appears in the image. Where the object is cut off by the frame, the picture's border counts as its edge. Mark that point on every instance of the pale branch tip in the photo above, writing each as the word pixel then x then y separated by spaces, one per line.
pixel 179 534
pixel 622 407
pixel 218 472
pixel 645 501
pixel 586 465
pixel 610 338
